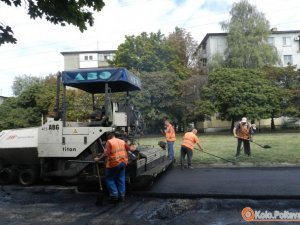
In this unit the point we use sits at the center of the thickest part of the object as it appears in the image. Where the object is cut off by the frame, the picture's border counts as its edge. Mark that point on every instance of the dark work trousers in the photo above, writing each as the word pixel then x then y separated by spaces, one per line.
pixel 246 144
pixel 184 151
pixel 115 181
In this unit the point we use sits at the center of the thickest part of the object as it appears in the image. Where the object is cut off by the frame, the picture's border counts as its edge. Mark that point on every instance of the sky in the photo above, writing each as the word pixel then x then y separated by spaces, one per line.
pixel 40 43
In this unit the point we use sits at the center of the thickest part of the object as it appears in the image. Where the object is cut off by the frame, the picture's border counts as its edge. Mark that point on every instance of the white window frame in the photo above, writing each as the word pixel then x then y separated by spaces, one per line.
pixel 286 41
pixel 288 59
pixel 271 41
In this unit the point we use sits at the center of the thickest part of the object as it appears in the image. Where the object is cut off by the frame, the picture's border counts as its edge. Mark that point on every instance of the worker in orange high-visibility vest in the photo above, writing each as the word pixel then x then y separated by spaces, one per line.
pixel 170 138
pixel 243 131
pixel 187 146
pixel 116 161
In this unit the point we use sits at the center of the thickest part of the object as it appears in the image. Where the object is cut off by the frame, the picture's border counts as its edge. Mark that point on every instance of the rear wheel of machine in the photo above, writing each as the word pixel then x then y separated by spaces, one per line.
pixel 8 175
pixel 28 177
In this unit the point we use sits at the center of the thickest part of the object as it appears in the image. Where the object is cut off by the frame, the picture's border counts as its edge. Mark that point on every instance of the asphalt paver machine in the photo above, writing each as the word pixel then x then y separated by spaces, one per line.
pixel 64 150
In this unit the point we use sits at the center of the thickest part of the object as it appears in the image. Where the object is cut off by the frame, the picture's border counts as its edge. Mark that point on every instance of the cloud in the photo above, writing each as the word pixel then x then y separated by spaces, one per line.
pixel 37 52
pixel 217 6
pixel 179 2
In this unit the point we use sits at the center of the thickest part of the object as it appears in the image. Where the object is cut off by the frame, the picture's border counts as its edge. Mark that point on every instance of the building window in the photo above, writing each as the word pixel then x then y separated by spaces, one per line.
pixel 204 62
pixel 271 40
pixel 286 41
pixel 88 58
pixel 288 60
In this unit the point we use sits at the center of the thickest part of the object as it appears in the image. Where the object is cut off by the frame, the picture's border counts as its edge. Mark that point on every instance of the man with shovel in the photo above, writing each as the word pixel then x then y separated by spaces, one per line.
pixel 188 143
pixel 116 161
pixel 243 131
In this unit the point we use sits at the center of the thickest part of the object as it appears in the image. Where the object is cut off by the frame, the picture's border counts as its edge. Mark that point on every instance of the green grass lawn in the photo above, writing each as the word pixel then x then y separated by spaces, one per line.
pixel 285 149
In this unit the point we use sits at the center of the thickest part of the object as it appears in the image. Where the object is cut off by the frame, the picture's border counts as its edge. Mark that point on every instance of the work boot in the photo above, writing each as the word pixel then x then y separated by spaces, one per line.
pixel 113 200
pixel 122 199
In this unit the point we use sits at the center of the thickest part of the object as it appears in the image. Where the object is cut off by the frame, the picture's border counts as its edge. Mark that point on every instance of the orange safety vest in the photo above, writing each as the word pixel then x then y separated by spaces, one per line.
pixel 170 133
pixel 243 131
pixel 118 153
pixel 189 140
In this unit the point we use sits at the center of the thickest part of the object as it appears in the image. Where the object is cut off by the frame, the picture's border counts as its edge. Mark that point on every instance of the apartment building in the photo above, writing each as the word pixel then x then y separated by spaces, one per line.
pixel 287 44
pixel 87 59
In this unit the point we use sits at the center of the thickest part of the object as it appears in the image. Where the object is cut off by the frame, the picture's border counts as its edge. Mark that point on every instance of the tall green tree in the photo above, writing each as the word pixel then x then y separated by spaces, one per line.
pixel 181 48
pixel 79 13
pixel 158 98
pixel 288 80
pixel 34 102
pixel 155 52
pixel 144 52
pixel 248 31
pixel 242 92
pixel 24 81
pixel 21 111
pixel 191 105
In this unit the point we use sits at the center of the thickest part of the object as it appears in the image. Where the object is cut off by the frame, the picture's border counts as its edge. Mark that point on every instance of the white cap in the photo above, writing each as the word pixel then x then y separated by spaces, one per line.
pixel 244 120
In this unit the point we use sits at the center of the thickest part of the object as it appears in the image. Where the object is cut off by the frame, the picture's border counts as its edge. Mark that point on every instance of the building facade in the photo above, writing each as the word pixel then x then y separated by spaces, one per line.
pixel 87 59
pixel 287 44
pixel 2 98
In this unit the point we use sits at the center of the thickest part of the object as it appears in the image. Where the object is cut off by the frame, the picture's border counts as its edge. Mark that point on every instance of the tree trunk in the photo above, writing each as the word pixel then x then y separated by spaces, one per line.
pixel 184 125
pixel 272 123
pixel 232 125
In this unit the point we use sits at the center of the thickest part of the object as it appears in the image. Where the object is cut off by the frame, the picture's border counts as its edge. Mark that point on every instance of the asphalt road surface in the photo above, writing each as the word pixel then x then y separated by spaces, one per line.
pixel 53 205
pixel 255 183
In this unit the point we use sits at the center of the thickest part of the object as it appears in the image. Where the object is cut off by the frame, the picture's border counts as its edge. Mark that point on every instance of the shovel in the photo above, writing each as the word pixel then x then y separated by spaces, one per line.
pixel 263 146
pixel 100 197
pixel 217 156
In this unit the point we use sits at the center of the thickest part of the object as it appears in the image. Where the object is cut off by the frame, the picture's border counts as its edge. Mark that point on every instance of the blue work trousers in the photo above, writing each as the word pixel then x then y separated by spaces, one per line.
pixel 115 181
pixel 170 150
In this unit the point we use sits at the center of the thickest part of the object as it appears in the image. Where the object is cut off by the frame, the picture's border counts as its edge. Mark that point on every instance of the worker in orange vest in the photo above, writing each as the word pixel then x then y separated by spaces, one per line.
pixel 243 131
pixel 171 138
pixel 188 143
pixel 116 161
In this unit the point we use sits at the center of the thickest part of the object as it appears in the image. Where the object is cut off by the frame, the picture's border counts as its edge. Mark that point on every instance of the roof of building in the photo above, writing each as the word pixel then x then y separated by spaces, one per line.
pixel 89 52
pixel 285 31
pixel 211 34
pixel 273 31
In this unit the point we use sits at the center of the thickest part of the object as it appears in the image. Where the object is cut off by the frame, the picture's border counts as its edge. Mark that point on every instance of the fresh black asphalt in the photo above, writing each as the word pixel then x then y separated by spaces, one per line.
pixel 255 183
